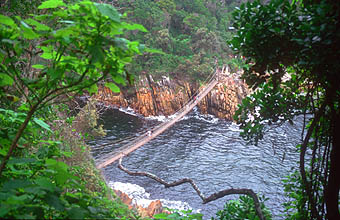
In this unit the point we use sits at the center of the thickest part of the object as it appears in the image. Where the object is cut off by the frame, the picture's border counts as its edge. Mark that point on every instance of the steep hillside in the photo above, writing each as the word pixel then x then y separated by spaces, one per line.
pixel 193 34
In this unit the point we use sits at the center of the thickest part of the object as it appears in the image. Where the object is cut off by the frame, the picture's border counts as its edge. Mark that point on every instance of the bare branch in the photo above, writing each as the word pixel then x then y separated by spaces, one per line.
pixel 205 200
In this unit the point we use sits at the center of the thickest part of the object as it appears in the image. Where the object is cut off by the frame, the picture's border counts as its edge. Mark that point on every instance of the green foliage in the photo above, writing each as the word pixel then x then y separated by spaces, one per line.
pixel 237 63
pixel 37 184
pixel 86 121
pixel 69 49
pixel 167 5
pixel 179 215
pixel 295 208
pixel 283 35
pixel 268 106
pixel 65 50
pixel 291 49
pixel 182 30
pixel 240 209
pixel 80 47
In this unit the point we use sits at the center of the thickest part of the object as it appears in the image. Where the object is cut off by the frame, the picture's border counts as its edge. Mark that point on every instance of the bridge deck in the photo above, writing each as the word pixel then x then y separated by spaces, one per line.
pixel 149 135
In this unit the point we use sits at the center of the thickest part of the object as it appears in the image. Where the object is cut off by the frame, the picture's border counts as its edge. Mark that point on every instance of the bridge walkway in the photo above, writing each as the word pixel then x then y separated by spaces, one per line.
pixel 151 134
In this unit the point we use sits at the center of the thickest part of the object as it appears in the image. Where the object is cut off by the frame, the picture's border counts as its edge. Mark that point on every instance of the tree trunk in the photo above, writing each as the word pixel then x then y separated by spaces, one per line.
pixel 17 137
pixel 333 186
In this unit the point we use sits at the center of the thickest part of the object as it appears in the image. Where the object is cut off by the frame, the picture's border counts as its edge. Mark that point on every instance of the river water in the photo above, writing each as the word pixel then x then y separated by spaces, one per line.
pixel 207 150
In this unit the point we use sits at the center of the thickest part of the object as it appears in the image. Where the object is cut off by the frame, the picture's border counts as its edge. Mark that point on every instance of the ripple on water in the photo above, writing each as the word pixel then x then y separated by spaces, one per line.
pixel 210 152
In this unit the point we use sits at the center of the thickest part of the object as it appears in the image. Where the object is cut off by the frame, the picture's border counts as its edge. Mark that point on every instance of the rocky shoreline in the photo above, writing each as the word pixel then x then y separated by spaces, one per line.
pixel 166 96
pixel 137 199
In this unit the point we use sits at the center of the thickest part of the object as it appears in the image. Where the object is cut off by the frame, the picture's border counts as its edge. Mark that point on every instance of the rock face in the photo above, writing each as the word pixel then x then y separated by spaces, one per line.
pixel 223 100
pixel 155 206
pixel 166 96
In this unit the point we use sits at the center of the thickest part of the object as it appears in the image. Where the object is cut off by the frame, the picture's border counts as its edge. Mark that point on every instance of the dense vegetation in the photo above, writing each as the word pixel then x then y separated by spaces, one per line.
pixel 47 58
pixel 191 33
pixel 51 51
pixel 293 51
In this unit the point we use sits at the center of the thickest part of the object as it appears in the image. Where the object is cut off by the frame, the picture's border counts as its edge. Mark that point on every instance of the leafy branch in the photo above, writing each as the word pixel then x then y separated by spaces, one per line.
pixel 79 49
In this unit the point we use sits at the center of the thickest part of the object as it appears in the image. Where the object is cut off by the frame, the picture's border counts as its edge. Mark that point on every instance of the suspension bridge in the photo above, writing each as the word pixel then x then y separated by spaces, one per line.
pixel 126 149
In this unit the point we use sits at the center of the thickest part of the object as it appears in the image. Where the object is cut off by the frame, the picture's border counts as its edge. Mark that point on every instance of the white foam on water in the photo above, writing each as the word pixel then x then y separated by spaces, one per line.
pixel 163 118
pixel 179 205
pixel 142 198
pixel 160 118
pixel 132 190
pixel 207 118
pixel 234 127
pixel 142 202
pixel 128 111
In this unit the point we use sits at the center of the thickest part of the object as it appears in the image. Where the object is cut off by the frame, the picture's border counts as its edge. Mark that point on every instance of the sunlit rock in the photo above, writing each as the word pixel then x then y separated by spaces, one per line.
pixel 166 96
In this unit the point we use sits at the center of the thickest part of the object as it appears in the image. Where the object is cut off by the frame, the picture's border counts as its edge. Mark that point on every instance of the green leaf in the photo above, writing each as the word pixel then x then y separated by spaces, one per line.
pixel 108 10
pixel 38 66
pixel 121 43
pixel 45 183
pixel 51 4
pixel 134 27
pixel 119 79
pixel 8 41
pixel 114 88
pixel 93 89
pixel 5 80
pixel 161 216
pixel 56 73
pixel 15 184
pixel 27 31
pixel 7 21
pixel 76 213
pixel 66 153
pixel 93 210
pixel 4 209
pixel 21 160
pixel 154 51
pixel 39 26
pixel 97 54
pixel 3 151
pixel 59 165
pixel 15 200
pixel 54 201
pixel 42 124
pixel 36 190
pixel 48 52
pixel 66 32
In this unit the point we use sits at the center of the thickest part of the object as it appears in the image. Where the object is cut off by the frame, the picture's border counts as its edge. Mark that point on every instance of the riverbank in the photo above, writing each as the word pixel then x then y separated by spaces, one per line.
pixel 166 96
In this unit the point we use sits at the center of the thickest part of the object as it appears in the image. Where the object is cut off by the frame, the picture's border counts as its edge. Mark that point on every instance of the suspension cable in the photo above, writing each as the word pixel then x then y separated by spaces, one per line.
pixel 208 82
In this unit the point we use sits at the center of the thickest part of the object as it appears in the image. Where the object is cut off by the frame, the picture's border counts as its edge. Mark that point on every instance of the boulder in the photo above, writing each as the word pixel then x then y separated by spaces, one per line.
pixel 155 206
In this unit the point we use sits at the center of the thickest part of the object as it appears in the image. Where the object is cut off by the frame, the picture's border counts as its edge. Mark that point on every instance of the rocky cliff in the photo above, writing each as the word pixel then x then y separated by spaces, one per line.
pixel 165 96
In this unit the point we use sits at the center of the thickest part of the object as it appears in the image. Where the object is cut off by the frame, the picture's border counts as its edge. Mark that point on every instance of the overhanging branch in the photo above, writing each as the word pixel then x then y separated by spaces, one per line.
pixel 205 200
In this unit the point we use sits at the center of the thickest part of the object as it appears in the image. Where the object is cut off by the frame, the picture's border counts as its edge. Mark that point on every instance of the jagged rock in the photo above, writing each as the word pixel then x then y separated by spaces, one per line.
pixel 166 96
pixel 124 198
pixel 155 206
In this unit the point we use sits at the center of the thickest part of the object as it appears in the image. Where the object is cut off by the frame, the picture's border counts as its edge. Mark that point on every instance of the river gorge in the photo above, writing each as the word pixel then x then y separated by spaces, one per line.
pixel 208 150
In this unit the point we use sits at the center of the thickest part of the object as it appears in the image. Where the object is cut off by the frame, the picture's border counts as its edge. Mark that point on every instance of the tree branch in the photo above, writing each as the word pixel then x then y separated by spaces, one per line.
pixel 205 200
pixel 17 137
pixel 306 183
